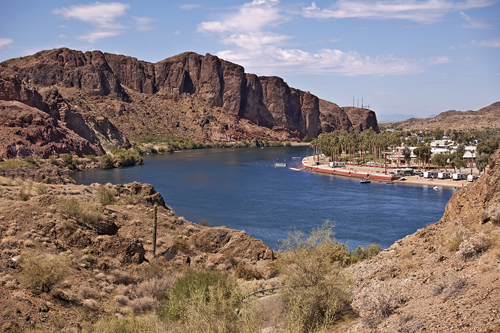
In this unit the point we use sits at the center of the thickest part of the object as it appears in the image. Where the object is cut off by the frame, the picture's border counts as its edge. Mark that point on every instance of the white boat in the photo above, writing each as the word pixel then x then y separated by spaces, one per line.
pixel 435 188
pixel 364 181
pixel 279 165
pixel 296 169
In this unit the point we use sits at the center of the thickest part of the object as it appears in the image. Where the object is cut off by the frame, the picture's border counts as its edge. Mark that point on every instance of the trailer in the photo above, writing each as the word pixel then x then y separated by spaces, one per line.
pixel 444 175
pixel 460 176
pixel 472 178
pixel 430 174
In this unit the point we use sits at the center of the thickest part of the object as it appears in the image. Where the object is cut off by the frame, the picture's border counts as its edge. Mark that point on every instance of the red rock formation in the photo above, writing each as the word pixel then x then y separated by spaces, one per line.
pixel 26 131
pixel 91 78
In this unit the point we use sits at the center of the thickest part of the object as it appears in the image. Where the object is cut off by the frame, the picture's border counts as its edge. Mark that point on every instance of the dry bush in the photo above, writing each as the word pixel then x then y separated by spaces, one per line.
pixel 491 214
pixel 41 272
pixel 106 195
pixel 154 287
pixel 469 248
pixel 207 301
pixel 316 284
pixel 42 189
pixel 247 273
pixel 456 286
pixel 90 304
pixel 86 292
pixel 122 300
pixel 85 212
pixel 123 277
pixel 378 300
pixel 143 304
pixel 409 323
pixel 129 324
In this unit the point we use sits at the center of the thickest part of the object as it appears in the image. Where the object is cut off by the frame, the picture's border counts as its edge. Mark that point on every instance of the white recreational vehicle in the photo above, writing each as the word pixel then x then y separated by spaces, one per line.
pixel 444 175
pixel 460 176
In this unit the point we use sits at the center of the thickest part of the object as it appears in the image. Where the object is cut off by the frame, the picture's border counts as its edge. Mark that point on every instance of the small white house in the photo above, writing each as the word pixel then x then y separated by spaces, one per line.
pixel 460 176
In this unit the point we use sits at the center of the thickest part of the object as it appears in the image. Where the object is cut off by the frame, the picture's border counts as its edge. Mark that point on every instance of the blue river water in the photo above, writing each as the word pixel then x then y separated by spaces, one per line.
pixel 241 189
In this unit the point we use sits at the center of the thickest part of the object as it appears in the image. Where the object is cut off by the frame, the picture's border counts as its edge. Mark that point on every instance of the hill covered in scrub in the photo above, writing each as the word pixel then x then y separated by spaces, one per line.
pixel 487 117
pixel 80 258
pixel 106 98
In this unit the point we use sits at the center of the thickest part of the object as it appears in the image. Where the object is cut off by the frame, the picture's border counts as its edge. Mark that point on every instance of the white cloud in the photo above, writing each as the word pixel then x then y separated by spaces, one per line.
pixel 250 17
pixel 91 37
pixel 104 18
pixel 425 12
pixel 271 60
pixel 143 23
pixel 255 40
pixel 492 42
pixel 189 6
pixel 177 33
pixel 100 14
pixel 439 60
pixel 5 41
pixel 474 23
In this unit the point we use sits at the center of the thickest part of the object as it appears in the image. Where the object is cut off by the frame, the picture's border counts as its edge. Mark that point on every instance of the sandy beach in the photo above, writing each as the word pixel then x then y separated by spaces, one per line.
pixel 409 180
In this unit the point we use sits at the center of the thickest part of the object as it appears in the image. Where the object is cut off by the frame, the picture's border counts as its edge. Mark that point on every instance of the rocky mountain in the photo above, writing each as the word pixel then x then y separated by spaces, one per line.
pixel 488 116
pixel 105 98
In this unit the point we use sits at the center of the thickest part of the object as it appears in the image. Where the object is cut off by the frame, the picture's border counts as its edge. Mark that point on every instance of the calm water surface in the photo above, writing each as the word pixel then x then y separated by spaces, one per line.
pixel 240 188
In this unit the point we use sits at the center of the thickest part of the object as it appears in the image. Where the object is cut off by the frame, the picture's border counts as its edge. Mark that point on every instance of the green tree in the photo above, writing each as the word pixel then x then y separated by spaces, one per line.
pixel 482 161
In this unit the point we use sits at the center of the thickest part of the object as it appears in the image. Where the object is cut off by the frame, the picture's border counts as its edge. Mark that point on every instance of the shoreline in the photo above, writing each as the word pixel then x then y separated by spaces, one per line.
pixel 378 174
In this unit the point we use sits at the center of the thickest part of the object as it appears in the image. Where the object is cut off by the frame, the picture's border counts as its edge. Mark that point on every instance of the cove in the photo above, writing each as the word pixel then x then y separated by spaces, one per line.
pixel 241 189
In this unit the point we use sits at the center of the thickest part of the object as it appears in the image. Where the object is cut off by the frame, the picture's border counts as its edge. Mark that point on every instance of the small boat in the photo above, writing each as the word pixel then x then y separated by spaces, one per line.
pixel 364 181
pixel 296 169
pixel 279 165
pixel 295 157
pixel 435 188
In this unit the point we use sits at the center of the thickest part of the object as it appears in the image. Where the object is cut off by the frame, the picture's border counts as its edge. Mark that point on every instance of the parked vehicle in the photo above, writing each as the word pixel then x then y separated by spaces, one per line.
pixel 472 178
pixel 460 176
pixel 444 175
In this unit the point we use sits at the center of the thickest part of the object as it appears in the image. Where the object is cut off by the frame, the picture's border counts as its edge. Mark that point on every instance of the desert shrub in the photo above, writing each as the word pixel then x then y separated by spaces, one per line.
pixel 154 287
pixel 42 189
pixel 456 238
pixel 67 159
pixel 143 304
pixel 364 253
pixel 206 301
pixel 53 159
pixel 41 272
pixel 161 150
pixel 378 300
pixel 316 285
pixel 205 223
pixel 129 324
pixel 92 158
pixel 86 291
pixel 277 144
pixel 106 195
pixel 12 164
pixel 123 277
pixel 81 211
pixel 124 157
pixel 30 160
pixel 181 245
pixel 105 162
pixel 288 143
pixel 23 195
pixel 242 271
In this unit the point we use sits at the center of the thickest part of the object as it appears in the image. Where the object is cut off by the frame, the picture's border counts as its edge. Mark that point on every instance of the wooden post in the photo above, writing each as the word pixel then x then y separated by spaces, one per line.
pixel 154 230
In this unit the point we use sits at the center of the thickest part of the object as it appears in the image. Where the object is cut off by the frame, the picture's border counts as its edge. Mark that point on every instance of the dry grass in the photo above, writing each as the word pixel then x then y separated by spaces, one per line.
pixel 106 195
pixel 129 324
pixel 72 207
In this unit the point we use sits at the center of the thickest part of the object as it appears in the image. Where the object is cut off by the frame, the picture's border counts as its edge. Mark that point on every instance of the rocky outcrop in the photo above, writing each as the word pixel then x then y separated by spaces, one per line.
pixel 333 117
pixel 361 119
pixel 26 131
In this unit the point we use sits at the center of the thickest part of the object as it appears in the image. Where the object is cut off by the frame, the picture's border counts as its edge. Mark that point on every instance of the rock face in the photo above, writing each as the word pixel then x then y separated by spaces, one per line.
pixel 28 131
pixel 202 97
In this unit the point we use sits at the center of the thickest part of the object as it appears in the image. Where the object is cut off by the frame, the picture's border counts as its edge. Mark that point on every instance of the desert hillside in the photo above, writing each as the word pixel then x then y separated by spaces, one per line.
pixel 443 278
pixel 488 116
pixel 106 98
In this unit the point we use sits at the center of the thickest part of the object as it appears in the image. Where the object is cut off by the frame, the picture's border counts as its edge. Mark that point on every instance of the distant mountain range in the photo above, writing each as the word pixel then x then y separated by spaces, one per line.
pixel 488 116
pixel 395 117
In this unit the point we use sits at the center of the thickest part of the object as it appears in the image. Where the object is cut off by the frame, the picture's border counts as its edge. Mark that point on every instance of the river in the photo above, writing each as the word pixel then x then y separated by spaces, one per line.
pixel 241 189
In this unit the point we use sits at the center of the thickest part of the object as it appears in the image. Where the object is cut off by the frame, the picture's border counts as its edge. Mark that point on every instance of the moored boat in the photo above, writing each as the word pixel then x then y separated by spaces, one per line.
pixel 364 181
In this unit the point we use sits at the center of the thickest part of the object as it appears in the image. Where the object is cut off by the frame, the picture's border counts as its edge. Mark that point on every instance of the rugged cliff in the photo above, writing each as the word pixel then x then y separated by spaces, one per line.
pixel 202 97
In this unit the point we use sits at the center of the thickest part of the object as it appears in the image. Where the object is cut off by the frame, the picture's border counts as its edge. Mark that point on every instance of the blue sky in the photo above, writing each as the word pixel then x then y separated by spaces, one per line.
pixel 415 57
